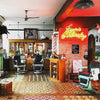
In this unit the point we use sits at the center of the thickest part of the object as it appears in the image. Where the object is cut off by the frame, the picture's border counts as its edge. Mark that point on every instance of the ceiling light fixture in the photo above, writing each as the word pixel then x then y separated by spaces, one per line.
pixel 83 4
pixel 18 30
pixel 43 36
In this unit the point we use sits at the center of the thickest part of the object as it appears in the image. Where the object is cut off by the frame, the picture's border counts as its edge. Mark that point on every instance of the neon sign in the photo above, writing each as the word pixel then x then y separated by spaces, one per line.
pixel 73 32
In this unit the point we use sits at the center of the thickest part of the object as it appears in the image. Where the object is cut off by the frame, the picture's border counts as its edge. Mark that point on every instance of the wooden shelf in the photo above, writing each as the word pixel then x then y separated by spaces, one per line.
pixel 29 40
pixel 15 44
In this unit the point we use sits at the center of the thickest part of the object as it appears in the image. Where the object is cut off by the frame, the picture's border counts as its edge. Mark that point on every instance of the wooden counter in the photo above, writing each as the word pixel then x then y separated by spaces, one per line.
pixel 29 62
pixel 46 63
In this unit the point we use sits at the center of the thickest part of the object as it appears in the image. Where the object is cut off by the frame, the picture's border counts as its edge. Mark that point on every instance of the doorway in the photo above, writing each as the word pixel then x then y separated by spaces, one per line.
pixel 91 48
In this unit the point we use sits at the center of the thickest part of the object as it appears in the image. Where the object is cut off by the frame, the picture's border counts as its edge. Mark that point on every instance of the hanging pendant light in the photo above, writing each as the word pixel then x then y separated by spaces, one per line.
pixel 43 36
pixel 83 4
pixel 18 30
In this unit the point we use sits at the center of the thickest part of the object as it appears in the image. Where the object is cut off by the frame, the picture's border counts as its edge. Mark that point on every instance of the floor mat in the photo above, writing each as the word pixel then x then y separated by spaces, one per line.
pixel 38 77
pixel 40 98
pixel 69 88
pixel 14 78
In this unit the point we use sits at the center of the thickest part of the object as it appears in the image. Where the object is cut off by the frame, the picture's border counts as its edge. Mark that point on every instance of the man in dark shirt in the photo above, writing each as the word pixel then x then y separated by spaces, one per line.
pixel 17 59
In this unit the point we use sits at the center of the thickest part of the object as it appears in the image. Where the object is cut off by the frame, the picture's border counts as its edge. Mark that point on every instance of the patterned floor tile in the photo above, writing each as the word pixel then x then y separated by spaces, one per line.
pixel 40 98
pixel 69 88
pixel 35 88
pixel 80 98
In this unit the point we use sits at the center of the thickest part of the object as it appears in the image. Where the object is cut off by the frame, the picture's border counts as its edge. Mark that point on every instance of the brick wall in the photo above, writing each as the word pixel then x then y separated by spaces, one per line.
pixel 65 47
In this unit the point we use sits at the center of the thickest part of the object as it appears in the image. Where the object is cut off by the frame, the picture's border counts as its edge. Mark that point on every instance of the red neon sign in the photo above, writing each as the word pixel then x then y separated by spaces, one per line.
pixel 73 32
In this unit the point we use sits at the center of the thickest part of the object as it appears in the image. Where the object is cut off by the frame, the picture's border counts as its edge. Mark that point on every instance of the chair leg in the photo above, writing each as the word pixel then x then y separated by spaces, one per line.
pixel 18 70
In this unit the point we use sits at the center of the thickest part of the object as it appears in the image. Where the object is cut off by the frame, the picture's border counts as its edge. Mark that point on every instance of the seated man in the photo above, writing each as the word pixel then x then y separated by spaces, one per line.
pixel 38 58
pixel 19 64
pixel 17 60
pixel 38 64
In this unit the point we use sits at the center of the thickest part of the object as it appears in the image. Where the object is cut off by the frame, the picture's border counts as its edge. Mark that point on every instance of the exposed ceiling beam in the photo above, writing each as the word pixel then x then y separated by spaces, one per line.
pixel 23 29
pixel 64 7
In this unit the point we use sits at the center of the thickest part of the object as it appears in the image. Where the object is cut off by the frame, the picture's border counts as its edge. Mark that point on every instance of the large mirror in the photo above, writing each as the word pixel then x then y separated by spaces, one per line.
pixel 43 48
pixel 30 47
pixel 11 47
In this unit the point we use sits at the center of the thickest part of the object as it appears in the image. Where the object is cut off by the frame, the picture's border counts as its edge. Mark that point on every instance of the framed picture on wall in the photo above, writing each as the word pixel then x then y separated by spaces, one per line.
pixel 75 48
pixel 30 33
pixel 77 65
pixel 97 49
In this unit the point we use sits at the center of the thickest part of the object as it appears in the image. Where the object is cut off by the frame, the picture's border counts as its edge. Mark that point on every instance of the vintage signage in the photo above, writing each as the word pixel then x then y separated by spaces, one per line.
pixel 73 32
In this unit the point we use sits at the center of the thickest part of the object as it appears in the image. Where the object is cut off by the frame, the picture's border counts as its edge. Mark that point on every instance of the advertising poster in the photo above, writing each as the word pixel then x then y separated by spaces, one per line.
pixel 77 66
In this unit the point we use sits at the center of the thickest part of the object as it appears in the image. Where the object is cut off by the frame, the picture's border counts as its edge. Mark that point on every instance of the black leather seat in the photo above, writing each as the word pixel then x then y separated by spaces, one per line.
pixel 19 64
pixel 38 64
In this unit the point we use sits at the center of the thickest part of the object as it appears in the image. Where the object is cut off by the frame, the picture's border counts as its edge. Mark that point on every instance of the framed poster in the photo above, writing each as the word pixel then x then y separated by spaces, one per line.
pixel 30 33
pixel 97 49
pixel 75 49
pixel 77 66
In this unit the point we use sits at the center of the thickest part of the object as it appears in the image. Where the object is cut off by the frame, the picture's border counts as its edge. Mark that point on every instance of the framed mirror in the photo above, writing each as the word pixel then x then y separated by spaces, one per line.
pixel 11 47
pixel 30 47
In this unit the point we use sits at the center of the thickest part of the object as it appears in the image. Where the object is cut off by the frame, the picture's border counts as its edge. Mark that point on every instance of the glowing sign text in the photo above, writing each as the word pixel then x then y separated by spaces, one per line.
pixel 73 32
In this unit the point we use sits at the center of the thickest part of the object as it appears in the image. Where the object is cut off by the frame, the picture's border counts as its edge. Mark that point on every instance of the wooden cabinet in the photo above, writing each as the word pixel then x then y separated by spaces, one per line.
pixel 54 69
pixel 57 69
pixel 46 63
pixel 29 63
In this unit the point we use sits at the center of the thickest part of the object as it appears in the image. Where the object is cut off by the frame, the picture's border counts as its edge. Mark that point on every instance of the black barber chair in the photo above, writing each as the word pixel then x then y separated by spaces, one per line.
pixel 38 64
pixel 19 64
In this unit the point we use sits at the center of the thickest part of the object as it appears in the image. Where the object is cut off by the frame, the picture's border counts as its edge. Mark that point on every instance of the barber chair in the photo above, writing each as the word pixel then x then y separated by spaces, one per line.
pixel 85 80
pixel 20 65
pixel 95 69
pixel 38 64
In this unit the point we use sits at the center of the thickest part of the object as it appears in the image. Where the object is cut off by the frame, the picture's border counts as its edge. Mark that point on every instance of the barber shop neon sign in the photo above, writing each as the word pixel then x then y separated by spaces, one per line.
pixel 73 32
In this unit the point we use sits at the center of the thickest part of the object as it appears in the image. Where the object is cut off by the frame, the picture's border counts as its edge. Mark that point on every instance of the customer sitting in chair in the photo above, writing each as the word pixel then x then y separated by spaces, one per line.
pixel 38 58
pixel 17 59
pixel 38 64
pixel 19 64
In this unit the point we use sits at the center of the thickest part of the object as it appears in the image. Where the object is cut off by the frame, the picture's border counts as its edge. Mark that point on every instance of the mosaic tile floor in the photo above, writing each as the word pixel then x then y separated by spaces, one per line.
pixel 24 87
pixel 80 98
pixel 69 88
pixel 37 88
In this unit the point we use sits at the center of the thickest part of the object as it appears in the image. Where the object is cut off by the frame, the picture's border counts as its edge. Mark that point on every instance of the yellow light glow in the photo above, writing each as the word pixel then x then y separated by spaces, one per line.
pixel 73 32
